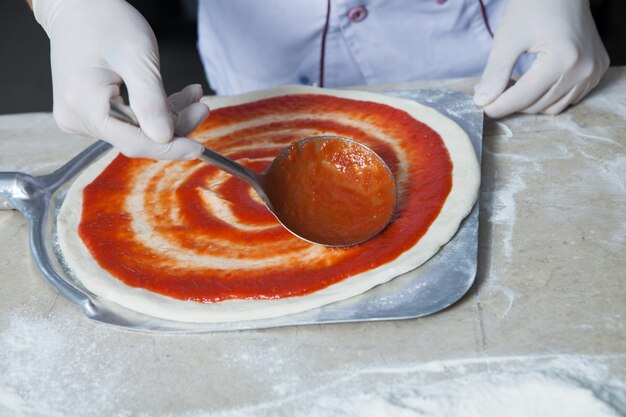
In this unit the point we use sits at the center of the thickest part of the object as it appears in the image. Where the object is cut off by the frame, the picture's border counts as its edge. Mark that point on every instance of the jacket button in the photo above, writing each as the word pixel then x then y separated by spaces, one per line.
pixel 357 14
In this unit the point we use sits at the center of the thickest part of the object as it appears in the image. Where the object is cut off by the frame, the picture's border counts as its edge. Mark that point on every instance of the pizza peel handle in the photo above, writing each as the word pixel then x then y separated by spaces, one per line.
pixel 38 198
pixel 17 189
pixel 35 198
pixel 8 185
pixel 31 195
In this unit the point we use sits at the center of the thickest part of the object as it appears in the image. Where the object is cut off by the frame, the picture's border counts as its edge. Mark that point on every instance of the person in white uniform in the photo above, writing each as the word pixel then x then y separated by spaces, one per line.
pixel 360 43
pixel 96 45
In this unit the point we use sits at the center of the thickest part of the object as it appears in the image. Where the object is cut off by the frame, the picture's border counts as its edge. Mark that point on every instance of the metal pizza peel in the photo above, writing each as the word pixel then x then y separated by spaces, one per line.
pixel 432 287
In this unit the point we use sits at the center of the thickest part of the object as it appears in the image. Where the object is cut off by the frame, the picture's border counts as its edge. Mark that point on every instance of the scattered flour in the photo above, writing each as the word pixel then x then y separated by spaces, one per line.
pixel 479 396
pixel 522 163
pixel 41 376
pixel 505 208
pixel 563 386
pixel 44 371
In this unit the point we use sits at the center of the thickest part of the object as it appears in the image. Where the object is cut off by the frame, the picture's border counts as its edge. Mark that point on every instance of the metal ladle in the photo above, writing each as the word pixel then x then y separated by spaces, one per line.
pixel 304 211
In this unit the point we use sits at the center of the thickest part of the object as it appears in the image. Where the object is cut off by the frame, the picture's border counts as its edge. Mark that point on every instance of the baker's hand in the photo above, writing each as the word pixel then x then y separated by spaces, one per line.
pixel 570 58
pixel 96 45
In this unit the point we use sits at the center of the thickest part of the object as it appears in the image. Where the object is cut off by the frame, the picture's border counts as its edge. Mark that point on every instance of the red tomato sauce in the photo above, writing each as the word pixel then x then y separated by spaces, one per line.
pixel 180 216
pixel 331 191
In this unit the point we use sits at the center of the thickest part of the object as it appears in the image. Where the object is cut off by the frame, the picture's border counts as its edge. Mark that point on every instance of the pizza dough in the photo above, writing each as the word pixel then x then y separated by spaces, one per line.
pixel 458 203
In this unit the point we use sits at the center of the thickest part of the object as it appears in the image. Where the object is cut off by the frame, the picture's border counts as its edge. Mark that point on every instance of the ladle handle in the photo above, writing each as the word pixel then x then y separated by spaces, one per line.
pixel 231 167
pixel 125 114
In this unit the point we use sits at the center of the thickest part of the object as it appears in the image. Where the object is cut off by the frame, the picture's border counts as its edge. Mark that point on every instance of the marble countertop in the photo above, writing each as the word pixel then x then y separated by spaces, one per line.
pixel 548 305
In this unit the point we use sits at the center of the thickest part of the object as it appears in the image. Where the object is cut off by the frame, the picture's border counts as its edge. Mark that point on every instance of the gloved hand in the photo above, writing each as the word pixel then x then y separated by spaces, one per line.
pixel 570 58
pixel 96 45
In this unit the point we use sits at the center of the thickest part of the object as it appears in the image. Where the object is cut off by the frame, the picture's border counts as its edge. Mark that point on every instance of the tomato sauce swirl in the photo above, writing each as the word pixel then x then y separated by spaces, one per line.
pixel 186 230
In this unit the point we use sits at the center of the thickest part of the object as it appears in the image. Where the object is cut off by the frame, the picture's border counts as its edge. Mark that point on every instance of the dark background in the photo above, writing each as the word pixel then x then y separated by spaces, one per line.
pixel 25 84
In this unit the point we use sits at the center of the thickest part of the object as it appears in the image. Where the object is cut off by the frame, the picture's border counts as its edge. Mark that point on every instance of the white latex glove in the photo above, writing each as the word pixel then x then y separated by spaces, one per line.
pixel 570 61
pixel 96 45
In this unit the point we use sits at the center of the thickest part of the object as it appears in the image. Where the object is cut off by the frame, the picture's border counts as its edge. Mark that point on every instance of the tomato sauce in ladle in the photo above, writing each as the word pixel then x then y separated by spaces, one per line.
pixel 328 190
pixel 331 190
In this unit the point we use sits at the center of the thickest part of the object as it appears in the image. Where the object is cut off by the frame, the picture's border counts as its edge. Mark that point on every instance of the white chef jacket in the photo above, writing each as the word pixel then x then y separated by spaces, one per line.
pixel 252 44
